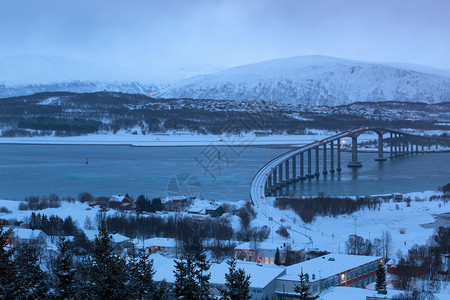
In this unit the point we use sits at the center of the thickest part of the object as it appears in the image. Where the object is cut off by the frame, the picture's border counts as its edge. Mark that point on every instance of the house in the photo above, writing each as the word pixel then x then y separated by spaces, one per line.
pixel 119 241
pixel 121 203
pixel 266 252
pixel 262 277
pixel 205 208
pixel 19 235
pixel 329 271
pixel 165 245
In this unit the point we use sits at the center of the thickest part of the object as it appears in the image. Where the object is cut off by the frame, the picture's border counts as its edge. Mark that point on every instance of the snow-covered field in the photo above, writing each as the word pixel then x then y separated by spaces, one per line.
pixel 329 233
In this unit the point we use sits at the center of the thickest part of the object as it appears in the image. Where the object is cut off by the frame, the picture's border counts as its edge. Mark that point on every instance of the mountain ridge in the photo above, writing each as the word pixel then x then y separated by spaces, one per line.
pixel 313 81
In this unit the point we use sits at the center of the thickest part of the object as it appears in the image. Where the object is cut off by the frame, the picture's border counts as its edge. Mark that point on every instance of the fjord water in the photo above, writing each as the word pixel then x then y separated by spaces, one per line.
pixel 224 173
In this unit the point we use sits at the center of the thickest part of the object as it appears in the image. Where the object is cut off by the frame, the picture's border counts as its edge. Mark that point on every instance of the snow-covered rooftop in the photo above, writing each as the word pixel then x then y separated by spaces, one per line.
pixel 261 274
pixel 116 198
pixel 272 246
pixel 157 242
pixel 327 265
pixel 116 238
pixel 200 206
pixel 27 234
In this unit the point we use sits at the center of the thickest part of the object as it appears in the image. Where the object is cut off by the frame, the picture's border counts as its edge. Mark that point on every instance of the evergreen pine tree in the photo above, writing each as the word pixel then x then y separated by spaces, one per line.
pixel 31 282
pixel 185 281
pixel 69 226
pixel 141 204
pixel 202 275
pixel 277 257
pixel 64 271
pixel 141 272
pixel 106 270
pixel 237 283
pixel 191 277
pixel 380 285
pixel 7 267
pixel 302 289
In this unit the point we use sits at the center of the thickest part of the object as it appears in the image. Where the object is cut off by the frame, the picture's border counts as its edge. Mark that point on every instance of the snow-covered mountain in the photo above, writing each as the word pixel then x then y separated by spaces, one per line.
pixel 27 74
pixel 8 90
pixel 317 80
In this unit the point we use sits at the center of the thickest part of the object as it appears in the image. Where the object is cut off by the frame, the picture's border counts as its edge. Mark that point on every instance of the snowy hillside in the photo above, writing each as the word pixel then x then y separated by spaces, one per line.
pixel 28 74
pixel 316 80
pixel 11 90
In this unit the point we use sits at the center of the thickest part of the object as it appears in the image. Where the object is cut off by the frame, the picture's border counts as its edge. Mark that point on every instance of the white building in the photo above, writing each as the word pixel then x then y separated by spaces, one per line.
pixel 201 209
pixel 167 246
pixel 262 277
pixel 117 239
pixel 27 235
pixel 328 271
pixel 266 252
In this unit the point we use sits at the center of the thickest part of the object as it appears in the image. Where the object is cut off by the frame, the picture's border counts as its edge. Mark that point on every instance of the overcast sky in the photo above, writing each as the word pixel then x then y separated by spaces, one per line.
pixel 227 33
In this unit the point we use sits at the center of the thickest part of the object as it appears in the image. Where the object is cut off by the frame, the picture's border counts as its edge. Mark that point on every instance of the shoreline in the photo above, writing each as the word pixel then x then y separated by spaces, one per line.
pixel 248 140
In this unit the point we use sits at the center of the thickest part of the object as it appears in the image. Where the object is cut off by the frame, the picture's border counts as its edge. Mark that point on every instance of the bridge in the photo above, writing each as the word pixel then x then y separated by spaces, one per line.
pixel 284 169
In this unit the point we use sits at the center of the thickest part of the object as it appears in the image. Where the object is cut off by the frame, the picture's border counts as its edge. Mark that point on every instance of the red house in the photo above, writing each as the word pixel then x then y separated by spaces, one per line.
pixel 121 203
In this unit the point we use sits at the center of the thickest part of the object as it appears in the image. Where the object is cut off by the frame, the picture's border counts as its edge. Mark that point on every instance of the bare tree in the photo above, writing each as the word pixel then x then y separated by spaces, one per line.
pixel 386 239
pixel 378 247
pixel 255 245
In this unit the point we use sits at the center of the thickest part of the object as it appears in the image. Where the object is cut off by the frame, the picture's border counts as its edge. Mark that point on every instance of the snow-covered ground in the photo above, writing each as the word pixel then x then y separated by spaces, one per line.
pixel 353 293
pixel 327 233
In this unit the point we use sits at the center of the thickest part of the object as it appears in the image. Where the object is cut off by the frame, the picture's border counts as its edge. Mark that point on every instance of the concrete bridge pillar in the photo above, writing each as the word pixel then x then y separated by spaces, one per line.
pixel 407 142
pixel 423 148
pixel 287 176
pixel 310 174
pixel 354 163
pixel 294 168
pixel 380 148
pixel 338 155
pixel 274 177
pixel 280 173
pixel 325 170
pixel 302 166
pixel 401 146
pixel 417 147
pixel 391 145
pixel 332 157
pixel 404 146
pixel 317 162
pixel 397 145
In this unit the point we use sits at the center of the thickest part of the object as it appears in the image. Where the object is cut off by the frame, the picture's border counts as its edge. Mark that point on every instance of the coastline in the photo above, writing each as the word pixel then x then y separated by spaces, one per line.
pixel 152 140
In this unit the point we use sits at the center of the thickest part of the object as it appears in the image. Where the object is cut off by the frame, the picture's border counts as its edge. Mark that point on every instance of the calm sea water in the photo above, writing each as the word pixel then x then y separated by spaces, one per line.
pixel 222 173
